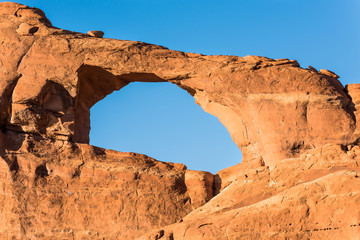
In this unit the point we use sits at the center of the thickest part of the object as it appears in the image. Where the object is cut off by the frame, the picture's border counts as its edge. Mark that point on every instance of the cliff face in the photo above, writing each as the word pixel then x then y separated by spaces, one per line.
pixel 297 129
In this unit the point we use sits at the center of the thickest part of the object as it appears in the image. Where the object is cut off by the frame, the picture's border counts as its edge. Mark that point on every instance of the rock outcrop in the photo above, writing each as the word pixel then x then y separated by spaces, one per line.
pixel 314 196
pixel 297 128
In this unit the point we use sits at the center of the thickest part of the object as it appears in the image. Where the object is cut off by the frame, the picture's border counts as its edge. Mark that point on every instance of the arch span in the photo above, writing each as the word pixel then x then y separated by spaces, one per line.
pixel 273 109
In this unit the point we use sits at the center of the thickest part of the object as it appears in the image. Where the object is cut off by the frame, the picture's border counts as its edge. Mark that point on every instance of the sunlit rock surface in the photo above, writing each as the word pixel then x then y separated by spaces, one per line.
pixel 297 128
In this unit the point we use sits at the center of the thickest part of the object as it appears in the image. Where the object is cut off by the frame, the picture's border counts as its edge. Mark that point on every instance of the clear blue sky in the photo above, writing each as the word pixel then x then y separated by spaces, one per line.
pixel 163 121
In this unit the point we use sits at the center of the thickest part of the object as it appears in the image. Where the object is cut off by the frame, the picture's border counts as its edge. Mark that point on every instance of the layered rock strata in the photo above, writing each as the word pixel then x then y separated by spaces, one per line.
pixel 297 129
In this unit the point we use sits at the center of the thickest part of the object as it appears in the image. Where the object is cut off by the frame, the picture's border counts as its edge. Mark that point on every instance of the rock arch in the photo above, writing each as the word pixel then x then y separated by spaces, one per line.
pixel 272 108
pixel 49 78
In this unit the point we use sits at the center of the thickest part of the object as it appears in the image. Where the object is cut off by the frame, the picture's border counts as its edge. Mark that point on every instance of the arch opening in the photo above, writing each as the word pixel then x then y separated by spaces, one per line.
pixel 163 121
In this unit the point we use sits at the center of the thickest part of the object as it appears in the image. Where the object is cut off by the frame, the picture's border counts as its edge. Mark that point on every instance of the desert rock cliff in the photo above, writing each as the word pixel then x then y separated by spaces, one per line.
pixel 297 128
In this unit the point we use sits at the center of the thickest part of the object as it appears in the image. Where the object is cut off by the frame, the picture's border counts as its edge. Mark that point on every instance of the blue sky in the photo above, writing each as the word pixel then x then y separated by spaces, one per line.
pixel 323 34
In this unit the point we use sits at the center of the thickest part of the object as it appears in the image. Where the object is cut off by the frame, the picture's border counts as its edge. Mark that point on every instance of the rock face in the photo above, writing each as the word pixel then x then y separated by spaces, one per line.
pixel 314 196
pixel 70 190
pixel 297 128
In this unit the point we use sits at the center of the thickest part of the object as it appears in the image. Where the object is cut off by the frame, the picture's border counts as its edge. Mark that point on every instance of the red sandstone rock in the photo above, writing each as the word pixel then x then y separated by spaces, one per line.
pixel 72 65
pixel 26 29
pixel 80 191
pixel 328 73
pixel 98 34
pixel 297 128
pixel 311 197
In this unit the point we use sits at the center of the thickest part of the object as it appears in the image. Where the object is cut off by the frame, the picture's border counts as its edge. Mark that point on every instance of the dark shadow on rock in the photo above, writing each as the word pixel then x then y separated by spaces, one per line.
pixel 41 171
pixel 217 184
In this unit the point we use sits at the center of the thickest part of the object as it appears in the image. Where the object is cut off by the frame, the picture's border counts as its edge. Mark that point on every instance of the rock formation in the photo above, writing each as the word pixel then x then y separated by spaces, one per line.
pixel 297 128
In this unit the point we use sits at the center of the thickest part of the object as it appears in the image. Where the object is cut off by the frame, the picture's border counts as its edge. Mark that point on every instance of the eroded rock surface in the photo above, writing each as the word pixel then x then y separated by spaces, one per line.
pixel 297 128
pixel 314 196
pixel 67 190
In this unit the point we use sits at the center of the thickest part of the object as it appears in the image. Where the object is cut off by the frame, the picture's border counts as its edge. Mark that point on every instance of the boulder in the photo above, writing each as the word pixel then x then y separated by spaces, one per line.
pixel 98 34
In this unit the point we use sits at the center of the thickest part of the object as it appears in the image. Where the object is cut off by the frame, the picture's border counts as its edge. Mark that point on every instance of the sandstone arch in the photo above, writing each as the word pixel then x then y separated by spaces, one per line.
pixel 274 109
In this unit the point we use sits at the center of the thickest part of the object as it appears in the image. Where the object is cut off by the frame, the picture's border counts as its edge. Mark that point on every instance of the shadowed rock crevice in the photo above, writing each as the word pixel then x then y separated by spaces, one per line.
pixel 41 171
pixel 5 104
